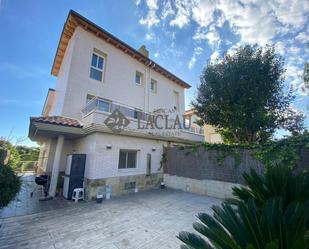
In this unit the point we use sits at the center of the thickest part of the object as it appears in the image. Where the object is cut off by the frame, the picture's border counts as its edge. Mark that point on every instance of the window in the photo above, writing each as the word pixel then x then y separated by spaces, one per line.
pixel 129 185
pixel 96 69
pixel 103 105
pixel 127 159
pixel 138 78
pixel 153 85
pixel 89 98
pixel 176 101
pixel 98 103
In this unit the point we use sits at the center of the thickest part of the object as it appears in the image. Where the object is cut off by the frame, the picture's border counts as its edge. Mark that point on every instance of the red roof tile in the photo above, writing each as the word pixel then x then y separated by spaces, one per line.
pixel 58 120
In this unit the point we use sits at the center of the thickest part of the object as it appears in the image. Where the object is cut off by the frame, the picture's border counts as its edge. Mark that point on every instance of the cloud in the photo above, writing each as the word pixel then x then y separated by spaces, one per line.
pixel 214 56
pixel 203 12
pixel 151 19
pixel 251 21
pixel 254 21
pixel 280 47
pixel 167 9
pixel 302 37
pixel 292 13
pixel 183 13
pixel 211 35
pixel 226 24
pixel 150 36
pixel 197 51
pixel 213 38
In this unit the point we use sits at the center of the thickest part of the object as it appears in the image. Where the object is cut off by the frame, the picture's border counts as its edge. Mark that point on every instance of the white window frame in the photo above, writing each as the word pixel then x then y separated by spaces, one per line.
pixel 155 85
pixel 99 55
pixel 141 75
pixel 126 164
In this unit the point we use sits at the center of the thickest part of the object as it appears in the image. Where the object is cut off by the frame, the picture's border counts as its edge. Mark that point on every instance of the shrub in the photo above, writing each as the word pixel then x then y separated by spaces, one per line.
pixel 10 185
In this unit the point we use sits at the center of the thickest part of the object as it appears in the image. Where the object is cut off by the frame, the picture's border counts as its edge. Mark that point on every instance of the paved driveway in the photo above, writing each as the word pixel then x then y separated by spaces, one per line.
pixel 144 220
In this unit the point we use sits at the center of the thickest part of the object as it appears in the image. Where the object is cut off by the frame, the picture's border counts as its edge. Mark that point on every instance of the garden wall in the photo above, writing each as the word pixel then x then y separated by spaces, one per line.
pixel 211 172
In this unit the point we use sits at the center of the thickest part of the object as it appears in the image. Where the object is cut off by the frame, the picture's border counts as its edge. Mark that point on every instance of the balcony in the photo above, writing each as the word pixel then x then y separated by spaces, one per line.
pixel 97 110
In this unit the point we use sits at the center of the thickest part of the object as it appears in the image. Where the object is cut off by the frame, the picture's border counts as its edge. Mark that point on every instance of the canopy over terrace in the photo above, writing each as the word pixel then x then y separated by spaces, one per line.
pixel 54 127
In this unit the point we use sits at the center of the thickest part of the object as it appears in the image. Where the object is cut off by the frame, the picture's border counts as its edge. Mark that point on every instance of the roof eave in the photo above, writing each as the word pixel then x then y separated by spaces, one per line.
pixel 75 19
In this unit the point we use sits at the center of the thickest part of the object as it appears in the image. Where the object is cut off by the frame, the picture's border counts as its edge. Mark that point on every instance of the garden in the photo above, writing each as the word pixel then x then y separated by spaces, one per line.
pixel 244 95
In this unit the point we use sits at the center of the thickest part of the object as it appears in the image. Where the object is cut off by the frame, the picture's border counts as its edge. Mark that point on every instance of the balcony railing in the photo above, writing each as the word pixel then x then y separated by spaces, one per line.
pixel 98 104
pixel 106 106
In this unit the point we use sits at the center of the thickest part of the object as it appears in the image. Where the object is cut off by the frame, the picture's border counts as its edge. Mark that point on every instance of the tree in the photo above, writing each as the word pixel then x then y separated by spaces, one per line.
pixel 20 157
pixel 244 95
pixel 271 212
pixel 28 153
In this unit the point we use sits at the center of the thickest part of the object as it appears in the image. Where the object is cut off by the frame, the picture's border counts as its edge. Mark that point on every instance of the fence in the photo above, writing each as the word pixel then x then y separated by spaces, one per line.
pixel 212 172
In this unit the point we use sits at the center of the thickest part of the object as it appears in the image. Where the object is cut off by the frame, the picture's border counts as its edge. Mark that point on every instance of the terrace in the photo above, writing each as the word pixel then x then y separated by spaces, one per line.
pixel 97 110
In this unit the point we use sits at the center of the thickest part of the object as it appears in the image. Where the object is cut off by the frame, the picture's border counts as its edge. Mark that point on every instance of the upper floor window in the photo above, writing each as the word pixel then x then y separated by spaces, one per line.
pixel 138 78
pixel 96 68
pixel 89 98
pixel 153 85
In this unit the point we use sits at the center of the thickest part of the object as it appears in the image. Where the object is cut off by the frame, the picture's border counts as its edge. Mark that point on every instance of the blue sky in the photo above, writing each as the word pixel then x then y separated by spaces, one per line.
pixel 181 35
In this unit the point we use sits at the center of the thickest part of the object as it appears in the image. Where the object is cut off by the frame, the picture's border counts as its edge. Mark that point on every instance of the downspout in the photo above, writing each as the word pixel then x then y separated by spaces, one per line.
pixel 147 83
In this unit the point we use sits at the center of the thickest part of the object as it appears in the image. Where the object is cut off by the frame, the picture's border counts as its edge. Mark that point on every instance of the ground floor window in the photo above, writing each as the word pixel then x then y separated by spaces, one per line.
pixel 127 159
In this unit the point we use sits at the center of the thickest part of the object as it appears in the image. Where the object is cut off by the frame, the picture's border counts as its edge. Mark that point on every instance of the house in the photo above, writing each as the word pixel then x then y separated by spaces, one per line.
pixel 210 133
pixel 106 96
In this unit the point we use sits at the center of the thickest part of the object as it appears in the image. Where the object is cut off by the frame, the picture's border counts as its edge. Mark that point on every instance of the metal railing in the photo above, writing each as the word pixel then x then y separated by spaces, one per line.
pixel 106 106
pixel 98 104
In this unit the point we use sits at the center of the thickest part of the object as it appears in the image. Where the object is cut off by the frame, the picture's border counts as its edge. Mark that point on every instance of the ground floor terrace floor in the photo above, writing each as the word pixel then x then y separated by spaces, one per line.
pixel 147 220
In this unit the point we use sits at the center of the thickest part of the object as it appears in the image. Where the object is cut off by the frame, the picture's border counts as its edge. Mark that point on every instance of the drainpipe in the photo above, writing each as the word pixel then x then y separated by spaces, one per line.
pixel 150 65
pixel 56 167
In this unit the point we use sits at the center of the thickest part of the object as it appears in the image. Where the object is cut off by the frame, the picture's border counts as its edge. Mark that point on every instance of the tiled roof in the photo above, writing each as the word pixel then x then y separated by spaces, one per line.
pixel 58 120
pixel 74 20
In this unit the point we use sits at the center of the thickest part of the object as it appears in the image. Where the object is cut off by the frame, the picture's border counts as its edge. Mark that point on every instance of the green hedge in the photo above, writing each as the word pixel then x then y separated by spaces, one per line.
pixel 284 151
pixel 10 185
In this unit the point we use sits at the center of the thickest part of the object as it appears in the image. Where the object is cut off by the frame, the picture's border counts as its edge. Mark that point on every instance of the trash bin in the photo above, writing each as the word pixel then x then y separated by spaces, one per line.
pixel 162 185
pixel 108 191
pixel 100 195
pixel 100 198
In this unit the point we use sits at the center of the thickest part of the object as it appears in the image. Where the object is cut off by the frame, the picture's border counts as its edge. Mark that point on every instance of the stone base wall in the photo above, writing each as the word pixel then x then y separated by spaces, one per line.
pixel 218 189
pixel 143 182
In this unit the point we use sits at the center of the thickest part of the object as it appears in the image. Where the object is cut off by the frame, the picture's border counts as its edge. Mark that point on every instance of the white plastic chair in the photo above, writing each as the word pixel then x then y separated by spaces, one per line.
pixel 78 194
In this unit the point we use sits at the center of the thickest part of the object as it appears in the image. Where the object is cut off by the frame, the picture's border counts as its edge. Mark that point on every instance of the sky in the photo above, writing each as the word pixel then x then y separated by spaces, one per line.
pixel 181 35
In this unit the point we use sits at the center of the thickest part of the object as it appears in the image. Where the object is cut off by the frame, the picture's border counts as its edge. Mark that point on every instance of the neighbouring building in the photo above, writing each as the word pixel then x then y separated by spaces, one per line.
pixel 211 136
pixel 98 74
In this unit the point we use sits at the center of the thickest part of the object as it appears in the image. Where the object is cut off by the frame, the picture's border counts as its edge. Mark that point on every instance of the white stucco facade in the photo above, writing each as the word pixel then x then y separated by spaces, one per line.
pixel 102 162
pixel 118 82
pixel 101 146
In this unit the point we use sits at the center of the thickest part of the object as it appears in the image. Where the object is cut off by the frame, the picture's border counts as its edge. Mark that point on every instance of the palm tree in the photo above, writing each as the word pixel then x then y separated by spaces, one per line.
pixel 271 212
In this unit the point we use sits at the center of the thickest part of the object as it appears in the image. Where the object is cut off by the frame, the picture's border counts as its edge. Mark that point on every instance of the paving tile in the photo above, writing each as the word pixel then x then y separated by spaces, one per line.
pixel 144 220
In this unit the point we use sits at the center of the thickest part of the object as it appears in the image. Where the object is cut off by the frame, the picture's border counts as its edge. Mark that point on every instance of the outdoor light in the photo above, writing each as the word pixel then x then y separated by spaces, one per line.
pixel 108 146
pixel 153 149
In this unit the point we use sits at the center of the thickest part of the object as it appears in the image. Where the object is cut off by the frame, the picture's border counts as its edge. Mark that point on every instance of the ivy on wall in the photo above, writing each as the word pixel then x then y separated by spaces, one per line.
pixel 285 151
